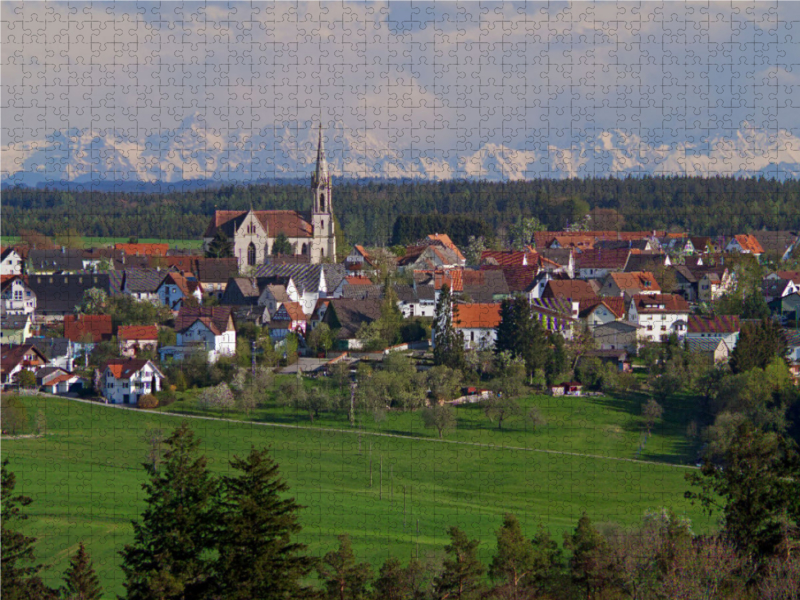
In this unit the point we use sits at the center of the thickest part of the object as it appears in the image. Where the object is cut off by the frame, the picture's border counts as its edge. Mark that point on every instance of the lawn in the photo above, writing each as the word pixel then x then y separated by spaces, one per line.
pixel 92 242
pixel 85 476
pixel 597 425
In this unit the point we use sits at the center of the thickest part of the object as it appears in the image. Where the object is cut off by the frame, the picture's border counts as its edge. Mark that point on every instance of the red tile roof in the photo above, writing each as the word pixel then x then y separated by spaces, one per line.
pixel 724 324
pixel 78 328
pixel 137 332
pixel 602 259
pixel 289 222
pixel 447 243
pixel 143 249
pixel 452 279
pixel 476 316
pixel 651 303
pixel 125 368
pixel 615 304
pixel 749 243
pixel 295 311
pixel 504 258
pixel 574 289
pixel 355 280
pixel 635 280
pixel 793 276
pixel 214 317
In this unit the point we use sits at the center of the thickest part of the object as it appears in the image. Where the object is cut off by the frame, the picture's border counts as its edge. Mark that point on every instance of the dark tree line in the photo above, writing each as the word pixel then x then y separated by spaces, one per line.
pixel 369 212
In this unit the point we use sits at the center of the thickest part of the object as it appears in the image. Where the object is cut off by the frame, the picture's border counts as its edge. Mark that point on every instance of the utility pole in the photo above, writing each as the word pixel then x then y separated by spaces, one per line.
pixel 404 509
pixel 253 357
pixel 380 481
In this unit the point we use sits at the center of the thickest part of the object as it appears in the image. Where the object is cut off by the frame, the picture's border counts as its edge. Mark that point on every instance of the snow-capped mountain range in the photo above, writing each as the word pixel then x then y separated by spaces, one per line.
pixel 194 151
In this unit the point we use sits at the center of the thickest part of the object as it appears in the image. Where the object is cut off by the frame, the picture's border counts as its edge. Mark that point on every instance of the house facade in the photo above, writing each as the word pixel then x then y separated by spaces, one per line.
pixel 16 296
pixel 659 316
pixel 134 339
pixel 124 381
pixel 477 322
pixel 10 262
pixel 210 331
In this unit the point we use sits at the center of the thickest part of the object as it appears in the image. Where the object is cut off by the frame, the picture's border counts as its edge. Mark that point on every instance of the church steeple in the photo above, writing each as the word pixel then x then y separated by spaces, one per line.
pixel 321 179
pixel 321 174
pixel 322 221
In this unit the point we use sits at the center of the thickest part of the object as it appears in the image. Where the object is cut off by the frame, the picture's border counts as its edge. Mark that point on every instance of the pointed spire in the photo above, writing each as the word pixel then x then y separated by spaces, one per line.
pixel 321 173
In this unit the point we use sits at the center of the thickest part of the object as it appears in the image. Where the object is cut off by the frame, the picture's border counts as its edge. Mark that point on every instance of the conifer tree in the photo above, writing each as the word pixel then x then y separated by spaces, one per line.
pixel 220 247
pixel 462 570
pixel 19 580
pixel 171 555
pixel 514 561
pixel 257 557
pixel 449 344
pixel 80 579
pixel 587 565
pixel 344 578
pixel 281 245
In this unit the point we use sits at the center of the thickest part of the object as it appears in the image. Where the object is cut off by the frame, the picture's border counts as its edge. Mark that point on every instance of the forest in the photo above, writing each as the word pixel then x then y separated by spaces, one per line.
pixel 368 212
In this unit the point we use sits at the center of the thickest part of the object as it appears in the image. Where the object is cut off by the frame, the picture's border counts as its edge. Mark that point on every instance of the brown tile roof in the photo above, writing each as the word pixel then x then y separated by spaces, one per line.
pixel 355 280
pixel 137 332
pixel 504 258
pixel 793 276
pixel 615 304
pixel 724 324
pixel 544 238
pixel 651 303
pixel 295 311
pixel 13 355
pixel 214 317
pixel 749 243
pixel 518 278
pixel 636 280
pixel 348 315
pixel 185 282
pixel 445 240
pixel 99 327
pixel 125 368
pixel 602 259
pixel 143 249
pixel 574 289
pixel 289 222
pixel 476 316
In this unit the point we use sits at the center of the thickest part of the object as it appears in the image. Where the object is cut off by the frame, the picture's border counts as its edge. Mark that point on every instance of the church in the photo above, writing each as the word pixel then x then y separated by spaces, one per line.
pixel 253 232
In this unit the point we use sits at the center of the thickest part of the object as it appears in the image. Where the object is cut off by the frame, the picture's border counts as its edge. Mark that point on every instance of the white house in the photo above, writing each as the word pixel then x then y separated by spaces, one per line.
pixel 210 330
pixel 16 297
pixel 477 322
pixel 10 262
pixel 659 316
pixel 124 381
pixel 176 287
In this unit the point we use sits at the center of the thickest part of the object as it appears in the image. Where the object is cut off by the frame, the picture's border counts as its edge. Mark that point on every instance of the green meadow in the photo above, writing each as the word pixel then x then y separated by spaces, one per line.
pixel 94 242
pixel 393 486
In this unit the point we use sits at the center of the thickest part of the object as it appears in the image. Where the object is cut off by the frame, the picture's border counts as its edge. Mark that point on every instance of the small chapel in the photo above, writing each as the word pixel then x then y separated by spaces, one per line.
pixel 253 232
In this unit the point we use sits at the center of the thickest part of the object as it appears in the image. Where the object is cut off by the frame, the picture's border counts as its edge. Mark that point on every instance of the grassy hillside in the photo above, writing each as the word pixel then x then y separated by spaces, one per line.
pixel 95 242
pixel 85 476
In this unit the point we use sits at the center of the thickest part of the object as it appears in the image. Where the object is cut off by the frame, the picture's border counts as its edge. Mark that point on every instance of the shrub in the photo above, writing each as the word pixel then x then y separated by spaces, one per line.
pixel 27 379
pixel 148 401
pixel 165 397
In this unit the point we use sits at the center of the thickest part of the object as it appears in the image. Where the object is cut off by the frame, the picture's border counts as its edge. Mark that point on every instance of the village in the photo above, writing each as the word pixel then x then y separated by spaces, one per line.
pixel 624 289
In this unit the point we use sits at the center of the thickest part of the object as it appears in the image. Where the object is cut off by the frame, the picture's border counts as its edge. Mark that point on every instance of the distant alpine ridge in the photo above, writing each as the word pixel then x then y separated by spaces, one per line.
pixel 196 154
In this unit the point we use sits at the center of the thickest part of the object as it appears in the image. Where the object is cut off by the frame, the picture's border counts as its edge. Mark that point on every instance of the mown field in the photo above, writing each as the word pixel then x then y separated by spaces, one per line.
pixel 93 242
pixel 85 476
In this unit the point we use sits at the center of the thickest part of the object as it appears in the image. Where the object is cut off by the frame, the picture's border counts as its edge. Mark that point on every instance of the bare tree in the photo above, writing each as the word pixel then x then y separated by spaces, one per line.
pixel 441 417
pixel 153 438
pixel 709 568
pixel 220 397
pixel 651 412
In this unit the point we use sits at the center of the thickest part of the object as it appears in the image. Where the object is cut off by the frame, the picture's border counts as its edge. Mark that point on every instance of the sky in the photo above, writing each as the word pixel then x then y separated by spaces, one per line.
pixel 235 90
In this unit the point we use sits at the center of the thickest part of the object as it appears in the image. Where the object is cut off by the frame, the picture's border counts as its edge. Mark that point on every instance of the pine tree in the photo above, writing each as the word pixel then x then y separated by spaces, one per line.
pixel 515 558
pixel 220 246
pixel 19 581
pixel 257 558
pixel 449 344
pixel 80 580
pixel 345 579
pixel 170 556
pixel 281 245
pixel 588 546
pixel 462 570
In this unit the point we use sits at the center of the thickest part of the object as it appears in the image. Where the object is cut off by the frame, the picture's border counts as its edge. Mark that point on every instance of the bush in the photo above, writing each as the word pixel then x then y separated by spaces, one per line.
pixel 27 379
pixel 148 401
pixel 165 397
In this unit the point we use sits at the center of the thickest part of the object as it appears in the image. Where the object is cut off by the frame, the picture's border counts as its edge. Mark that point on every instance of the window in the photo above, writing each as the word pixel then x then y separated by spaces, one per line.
pixel 251 254
pixel 322 203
